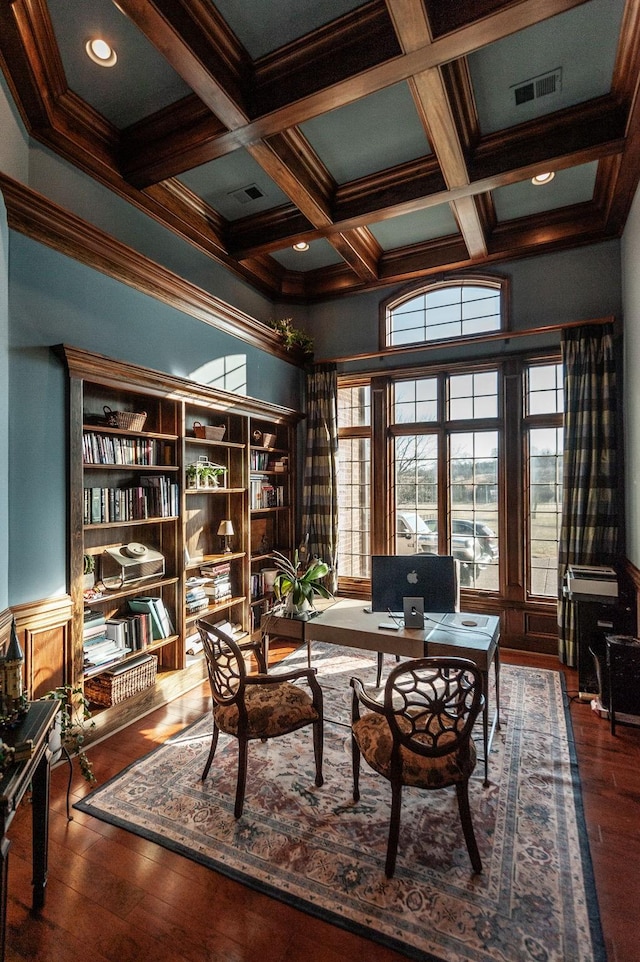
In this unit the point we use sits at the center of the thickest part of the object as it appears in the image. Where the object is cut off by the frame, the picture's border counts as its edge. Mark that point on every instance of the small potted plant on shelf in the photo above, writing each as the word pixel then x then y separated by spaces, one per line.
pixel 72 723
pixel 295 584
pixel 204 474
pixel 89 571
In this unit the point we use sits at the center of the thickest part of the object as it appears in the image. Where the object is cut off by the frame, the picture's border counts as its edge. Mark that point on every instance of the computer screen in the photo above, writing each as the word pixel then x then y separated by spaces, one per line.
pixel 430 576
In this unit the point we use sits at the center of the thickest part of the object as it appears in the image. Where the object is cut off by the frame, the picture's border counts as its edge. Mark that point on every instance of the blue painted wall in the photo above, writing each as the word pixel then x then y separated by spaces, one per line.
pixel 54 299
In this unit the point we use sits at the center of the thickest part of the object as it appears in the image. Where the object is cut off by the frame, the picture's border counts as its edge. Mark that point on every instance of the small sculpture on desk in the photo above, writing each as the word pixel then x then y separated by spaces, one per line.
pixel 13 698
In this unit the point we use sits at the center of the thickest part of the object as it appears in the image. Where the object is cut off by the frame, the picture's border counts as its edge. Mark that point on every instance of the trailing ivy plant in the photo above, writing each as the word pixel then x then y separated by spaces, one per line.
pixel 291 336
pixel 75 721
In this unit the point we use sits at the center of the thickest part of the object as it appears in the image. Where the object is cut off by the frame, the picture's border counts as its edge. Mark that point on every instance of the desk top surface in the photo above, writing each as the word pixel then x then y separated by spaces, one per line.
pixel 465 634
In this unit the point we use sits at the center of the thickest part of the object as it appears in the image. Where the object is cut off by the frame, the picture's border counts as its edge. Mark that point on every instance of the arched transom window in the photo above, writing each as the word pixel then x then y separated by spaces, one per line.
pixel 445 311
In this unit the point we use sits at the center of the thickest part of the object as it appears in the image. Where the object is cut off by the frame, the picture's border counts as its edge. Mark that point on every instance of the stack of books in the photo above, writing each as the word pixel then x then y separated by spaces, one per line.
pixel 279 465
pixel 100 647
pixel 217 586
pixel 196 599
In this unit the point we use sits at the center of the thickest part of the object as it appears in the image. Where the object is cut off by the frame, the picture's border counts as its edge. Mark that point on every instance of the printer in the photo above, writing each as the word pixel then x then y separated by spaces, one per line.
pixel 129 563
pixel 594 580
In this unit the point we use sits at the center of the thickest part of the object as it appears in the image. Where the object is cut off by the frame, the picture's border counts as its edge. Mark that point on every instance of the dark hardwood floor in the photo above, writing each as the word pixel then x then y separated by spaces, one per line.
pixel 113 896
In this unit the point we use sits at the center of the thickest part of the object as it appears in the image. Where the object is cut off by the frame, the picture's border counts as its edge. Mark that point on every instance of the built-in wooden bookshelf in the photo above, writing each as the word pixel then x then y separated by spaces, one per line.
pixel 133 482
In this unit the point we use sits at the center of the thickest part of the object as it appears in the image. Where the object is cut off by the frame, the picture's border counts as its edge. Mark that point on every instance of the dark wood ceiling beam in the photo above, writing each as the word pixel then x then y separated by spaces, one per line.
pixel 186 127
pixel 471 226
pixel 578 135
pixel 293 165
pixel 357 41
pixel 569 137
pixel 193 55
pixel 360 250
pixel 16 64
pixel 502 22
pixel 268 231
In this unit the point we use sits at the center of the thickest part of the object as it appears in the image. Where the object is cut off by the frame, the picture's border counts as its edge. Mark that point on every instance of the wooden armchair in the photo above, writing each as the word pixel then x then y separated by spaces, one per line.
pixel 258 706
pixel 420 736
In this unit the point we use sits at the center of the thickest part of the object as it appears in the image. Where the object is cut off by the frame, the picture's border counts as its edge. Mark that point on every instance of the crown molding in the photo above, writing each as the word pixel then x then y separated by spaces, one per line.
pixel 35 216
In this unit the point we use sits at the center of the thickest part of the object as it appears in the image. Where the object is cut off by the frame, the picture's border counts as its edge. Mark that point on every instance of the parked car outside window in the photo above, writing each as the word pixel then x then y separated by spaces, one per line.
pixel 472 542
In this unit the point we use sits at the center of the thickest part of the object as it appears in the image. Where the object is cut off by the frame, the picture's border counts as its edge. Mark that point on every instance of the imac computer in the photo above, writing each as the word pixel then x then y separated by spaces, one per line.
pixel 435 578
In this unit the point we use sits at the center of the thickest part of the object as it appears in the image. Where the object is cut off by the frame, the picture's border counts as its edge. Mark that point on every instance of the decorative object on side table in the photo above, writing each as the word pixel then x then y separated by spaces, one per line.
pixel 225 531
pixel 13 698
pixel 296 584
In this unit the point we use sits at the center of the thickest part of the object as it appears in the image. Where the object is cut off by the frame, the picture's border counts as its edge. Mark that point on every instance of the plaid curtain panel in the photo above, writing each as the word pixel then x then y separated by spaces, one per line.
pixel 320 481
pixel 590 492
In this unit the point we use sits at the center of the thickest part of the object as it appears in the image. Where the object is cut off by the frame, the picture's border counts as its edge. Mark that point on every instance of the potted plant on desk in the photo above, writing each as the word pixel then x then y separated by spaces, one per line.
pixel 295 585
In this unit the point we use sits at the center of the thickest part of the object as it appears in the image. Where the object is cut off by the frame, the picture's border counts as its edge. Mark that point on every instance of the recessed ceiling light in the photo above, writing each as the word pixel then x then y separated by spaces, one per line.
pixel 545 178
pixel 301 246
pixel 100 52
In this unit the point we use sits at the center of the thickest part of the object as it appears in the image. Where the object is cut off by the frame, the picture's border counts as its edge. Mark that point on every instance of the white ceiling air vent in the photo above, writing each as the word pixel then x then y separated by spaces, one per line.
pixel 245 195
pixel 545 85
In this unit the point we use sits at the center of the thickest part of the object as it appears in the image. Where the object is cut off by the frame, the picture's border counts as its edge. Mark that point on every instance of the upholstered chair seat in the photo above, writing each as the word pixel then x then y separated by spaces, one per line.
pixel 270 711
pixel 375 742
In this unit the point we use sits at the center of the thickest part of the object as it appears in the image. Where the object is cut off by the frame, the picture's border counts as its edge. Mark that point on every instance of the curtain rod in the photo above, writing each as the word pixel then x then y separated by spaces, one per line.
pixel 483 338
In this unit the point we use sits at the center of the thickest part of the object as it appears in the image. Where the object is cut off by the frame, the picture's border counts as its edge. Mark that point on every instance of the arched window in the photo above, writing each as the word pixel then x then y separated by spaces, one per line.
pixel 445 310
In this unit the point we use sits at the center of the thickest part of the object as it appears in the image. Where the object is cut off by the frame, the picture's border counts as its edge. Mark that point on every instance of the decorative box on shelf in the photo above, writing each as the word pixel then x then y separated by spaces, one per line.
pixel 122 681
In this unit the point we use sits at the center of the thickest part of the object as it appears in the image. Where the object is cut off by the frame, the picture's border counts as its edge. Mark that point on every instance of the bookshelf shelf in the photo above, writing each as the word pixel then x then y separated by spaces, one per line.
pixel 223 606
pixel 128 524
pixel 110 458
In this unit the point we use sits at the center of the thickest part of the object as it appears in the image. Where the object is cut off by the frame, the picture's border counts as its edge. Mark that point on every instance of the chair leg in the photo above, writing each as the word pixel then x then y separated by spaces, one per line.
pixel 242 777
pixel 212 751
pixel 462 791
pixel 317 750
pixel 355 766
pixel 394 829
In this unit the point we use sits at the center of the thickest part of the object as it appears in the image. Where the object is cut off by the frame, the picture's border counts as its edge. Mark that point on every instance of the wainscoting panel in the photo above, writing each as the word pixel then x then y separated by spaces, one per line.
pixel 44 631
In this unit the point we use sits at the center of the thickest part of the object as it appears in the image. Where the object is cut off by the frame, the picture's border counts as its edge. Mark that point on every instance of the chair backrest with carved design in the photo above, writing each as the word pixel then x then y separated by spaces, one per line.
pixel 432 704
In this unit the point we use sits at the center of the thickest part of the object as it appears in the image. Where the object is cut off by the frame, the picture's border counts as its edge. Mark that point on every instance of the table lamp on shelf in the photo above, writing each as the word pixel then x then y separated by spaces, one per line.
pixel 225 530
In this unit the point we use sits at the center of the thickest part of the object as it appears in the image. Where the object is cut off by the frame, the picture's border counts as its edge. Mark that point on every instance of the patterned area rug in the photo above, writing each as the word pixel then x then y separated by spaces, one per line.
pixel 317 850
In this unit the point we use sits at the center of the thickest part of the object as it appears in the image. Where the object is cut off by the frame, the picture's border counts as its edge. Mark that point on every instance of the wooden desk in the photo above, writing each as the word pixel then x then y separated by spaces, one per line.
pixel 464 635
pixel 36 726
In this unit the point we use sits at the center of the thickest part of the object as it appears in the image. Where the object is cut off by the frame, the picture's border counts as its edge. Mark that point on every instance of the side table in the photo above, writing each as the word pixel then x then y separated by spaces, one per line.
pixel 623 669
pixel 35 728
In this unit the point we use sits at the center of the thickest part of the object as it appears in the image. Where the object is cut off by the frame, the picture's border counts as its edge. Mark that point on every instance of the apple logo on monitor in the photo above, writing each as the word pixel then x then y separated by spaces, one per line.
pixel 412 577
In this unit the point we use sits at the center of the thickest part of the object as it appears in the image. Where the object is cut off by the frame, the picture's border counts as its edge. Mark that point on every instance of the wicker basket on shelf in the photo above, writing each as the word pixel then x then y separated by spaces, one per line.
pixel 113 686
pixel 126 420
pixel 209 432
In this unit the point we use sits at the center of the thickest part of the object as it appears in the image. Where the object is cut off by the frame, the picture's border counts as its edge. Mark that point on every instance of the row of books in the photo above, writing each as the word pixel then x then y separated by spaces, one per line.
pixel 257 585
pixel 264 494
pixel 112 449
pixel 107 640
pixel 154 497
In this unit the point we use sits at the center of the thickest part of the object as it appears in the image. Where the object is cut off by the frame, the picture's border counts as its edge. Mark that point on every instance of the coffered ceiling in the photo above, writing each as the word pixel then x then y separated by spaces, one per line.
pixel 394 137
